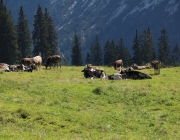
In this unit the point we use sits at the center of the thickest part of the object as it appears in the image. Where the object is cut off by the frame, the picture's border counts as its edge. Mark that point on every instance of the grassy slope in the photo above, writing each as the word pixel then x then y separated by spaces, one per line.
pixel 61 104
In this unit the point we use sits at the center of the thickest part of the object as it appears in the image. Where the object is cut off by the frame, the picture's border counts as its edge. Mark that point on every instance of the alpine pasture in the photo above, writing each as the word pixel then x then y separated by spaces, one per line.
pixel 59 104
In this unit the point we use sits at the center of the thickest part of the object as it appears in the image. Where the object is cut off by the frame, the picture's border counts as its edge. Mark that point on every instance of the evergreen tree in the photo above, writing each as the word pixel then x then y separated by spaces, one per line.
pixel 107 59
pixel 150 50
pixel 8 37
pixel 52 35
pixel 175 57
pixel 110 53
pixel 76 57
pixel 114 51
pixel 146 47
pixel 92 52
pixel 136 49
pixel 127 58
pixel 88 58
pixel 40 35
pixel 96 53
pixel 164 48
pixel 24 37
pixel 124 53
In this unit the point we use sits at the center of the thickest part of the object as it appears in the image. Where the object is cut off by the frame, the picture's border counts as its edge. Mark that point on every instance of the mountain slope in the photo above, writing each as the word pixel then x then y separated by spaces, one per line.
pixel 109 19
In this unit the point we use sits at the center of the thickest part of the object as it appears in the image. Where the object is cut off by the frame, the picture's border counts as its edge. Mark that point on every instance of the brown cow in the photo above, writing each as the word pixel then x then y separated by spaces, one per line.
pixel 54 59
pixel 118 65
pixel 27 61
pixel 157 65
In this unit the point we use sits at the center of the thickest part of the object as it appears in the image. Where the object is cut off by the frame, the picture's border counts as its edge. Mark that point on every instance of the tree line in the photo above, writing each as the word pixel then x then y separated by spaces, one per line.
pixel 17 42
pixel 143 51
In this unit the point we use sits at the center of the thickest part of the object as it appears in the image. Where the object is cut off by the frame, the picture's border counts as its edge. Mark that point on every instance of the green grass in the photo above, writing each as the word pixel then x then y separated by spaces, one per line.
pixel 60 104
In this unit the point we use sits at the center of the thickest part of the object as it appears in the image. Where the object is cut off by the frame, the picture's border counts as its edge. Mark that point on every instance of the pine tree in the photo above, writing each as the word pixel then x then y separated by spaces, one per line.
pixel 175 57
pixel 8 37
pixel 52 35
pixel 107 60
pixel 146 47
pixel 92 52
pixel 127 61
pixel 88 58
pixel 76 57
pixel 96 53
pixel 124 53
pixel 40 35
pixel 24 37
pixel 150 50
pixel 110 53
pixel 164 48
pixel 114 51
pixel 136 49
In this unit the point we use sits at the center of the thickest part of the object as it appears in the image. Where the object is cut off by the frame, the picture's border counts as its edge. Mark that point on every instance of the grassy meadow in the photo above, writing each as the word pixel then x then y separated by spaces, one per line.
pixel 60 104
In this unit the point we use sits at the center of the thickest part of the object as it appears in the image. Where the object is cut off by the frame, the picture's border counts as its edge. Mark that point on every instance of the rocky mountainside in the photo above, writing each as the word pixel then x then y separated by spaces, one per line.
pixel 109 19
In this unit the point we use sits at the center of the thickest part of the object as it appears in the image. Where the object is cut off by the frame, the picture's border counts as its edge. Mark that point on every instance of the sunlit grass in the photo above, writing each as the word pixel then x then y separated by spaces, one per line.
pixel 61 104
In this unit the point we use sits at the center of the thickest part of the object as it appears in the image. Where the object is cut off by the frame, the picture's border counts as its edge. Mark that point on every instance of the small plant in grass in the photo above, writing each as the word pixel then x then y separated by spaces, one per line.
pixel 23 113
pixel 99 91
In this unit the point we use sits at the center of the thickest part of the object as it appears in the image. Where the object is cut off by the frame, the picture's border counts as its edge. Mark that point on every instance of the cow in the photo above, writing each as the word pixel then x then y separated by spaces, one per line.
pixel 3 65
pixel 116 76
pixel 131 74
pixel 156 65
pixel 27 61
pixel 15 68
pixel 136 67
pixel 118 65
pixel 30 68
pixel 92 73
pixel 54 59
pixel 148 65
pixel 37 60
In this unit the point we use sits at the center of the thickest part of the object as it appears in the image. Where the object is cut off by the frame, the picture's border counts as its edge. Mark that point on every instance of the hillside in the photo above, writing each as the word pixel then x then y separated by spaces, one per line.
pixel 108 19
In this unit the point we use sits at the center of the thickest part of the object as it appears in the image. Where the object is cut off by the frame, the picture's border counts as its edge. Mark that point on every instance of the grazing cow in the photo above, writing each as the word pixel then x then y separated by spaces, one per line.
pixel 54 59
pixel 37 60
pixel 157 65
pixel 118 65
pixel 93 73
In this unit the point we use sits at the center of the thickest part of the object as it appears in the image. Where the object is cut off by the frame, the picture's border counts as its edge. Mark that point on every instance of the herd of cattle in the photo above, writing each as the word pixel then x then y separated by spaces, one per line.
pixel 34 63
pixel 129 73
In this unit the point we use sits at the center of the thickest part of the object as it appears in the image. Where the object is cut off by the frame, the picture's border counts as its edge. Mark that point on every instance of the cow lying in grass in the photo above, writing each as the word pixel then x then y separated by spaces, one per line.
pixel 21 67
pixel 116 76
pixel 136 67
pixel 128 74
pixel 92 73
pixel 131 74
